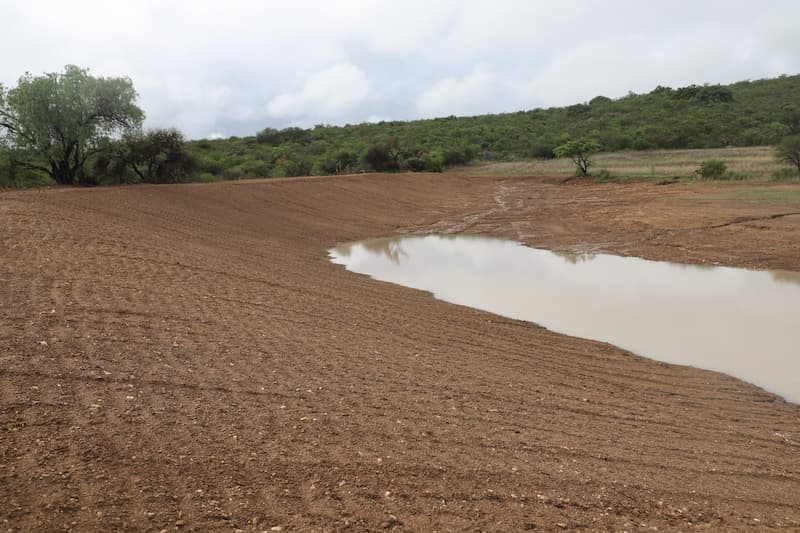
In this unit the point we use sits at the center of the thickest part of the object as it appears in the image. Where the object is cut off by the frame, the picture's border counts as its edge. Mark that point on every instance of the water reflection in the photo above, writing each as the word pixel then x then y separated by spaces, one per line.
pixel 574 258
pixel 786 276
pixel 742 322
pixel 389 247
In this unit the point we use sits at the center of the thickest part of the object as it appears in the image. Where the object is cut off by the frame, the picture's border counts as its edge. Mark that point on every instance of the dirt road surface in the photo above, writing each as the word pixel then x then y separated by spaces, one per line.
pixel 186 358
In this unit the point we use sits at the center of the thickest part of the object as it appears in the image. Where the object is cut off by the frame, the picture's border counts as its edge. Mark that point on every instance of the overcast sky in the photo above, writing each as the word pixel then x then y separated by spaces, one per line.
pixel 233 67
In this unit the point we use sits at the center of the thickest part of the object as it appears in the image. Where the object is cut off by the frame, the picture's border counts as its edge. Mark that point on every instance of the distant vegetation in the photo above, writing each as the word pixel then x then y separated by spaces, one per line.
pixel 756 163
pixel 113 149
pixel 748 113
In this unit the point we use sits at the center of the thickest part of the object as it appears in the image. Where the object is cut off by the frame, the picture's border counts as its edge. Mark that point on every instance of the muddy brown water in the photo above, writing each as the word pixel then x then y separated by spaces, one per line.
pixel 745 323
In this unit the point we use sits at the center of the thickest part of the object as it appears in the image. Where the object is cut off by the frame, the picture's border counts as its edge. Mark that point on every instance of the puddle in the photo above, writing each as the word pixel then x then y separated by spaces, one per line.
pixel 742 322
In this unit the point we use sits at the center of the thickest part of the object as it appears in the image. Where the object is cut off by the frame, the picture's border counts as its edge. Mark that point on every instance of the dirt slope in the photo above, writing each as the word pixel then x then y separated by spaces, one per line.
pixel 185 358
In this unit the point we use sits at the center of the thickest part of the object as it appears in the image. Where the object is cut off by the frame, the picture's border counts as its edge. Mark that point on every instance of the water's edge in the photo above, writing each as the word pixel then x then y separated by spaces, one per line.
pixel 744 323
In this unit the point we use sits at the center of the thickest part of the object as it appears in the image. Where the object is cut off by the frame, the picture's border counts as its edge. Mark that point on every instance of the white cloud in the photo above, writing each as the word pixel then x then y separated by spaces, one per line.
pixel 238 66
pixel 461 96
pixel 705 53
pixel 374 119
pixel 330 93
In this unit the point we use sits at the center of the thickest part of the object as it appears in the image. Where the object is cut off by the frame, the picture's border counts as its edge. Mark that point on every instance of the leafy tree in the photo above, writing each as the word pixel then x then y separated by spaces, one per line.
pixel 108 167
pixel 340 162
pixel 414 164
pixel 57 121
pixel 458 156
pixel 600 100
pixel 788 151
pixel 577 110
pixel 158 156
pixel 705 94
pixel 791 118
pixel 542 150
pixel 275 137
pixel 269 136
pixel 579 152
pixel 384 157
pixel 377 157
pixel 289 164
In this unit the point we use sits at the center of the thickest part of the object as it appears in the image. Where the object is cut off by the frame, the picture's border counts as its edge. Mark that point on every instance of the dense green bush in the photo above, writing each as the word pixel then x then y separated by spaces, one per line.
pixel 712 169
pixel 341 162
pixel 542 150
pixel 458 156
pixel 415 164
pixel 14 174
pixel 254 168
pixel 433 161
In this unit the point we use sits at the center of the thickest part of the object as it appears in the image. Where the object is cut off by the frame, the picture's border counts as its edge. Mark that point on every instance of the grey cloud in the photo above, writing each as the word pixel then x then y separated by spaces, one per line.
pixel 234 67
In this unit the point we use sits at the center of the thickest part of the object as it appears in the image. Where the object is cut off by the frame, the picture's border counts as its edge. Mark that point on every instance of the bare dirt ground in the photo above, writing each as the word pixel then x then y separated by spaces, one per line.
pixel 186 358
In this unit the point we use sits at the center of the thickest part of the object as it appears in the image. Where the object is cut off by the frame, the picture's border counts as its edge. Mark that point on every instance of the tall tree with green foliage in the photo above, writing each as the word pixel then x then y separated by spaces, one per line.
pixel 579 152
pixel 788 151
pixel 55 122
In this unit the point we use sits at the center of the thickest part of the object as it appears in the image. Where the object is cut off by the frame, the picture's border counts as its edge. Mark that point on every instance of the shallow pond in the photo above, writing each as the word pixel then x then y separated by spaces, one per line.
pixel 742 322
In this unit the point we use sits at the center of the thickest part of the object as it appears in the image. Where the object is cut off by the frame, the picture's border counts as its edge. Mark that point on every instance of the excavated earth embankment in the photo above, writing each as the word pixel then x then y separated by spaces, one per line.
pixel 186 358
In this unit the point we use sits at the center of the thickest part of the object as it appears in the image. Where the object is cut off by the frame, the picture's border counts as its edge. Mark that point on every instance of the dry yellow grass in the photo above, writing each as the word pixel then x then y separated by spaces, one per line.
pixel 752 162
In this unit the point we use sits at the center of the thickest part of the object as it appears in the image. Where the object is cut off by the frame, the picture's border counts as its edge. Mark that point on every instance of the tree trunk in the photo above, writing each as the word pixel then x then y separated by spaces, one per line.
pixel 62 172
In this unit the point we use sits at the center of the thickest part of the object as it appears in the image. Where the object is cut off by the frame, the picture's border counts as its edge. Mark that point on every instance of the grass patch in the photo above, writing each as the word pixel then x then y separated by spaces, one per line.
pixel 751 163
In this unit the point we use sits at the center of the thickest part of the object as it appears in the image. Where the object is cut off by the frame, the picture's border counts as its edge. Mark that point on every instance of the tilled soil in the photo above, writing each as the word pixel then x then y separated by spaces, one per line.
pixel 186 358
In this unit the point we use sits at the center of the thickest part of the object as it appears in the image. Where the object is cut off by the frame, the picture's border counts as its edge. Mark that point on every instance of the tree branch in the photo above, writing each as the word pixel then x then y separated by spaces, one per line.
pixel 17 131
pixel 33 166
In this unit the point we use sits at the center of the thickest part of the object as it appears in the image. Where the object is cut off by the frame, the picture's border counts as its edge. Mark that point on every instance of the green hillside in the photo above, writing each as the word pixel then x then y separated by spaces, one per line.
pixel 746 113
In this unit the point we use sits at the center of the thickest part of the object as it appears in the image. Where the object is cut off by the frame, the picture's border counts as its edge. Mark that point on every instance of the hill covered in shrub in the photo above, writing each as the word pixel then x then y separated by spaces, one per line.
pixel 746 113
